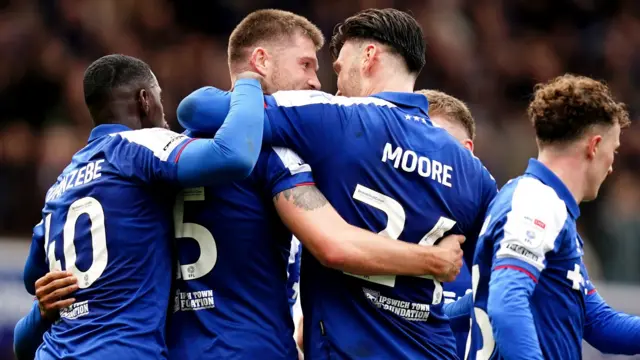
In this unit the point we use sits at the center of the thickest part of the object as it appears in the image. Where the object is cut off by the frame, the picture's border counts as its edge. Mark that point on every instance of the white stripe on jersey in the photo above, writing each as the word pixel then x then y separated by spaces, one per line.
pixel 161 141
pixel 291 160
pixel 294 98
pixel 536 218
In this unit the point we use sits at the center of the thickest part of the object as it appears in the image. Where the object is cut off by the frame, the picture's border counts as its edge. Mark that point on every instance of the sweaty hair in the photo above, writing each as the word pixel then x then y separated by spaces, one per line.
pixel 269 25
pixel 563 109
pixel 394 28
pixel 108 73
pixel 451 108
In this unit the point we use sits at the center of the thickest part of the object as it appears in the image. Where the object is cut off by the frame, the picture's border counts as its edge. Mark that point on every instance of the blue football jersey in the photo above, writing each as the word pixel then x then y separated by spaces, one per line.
pixel 231 300
pixel 384 167
pixel 454 291
pixel 293 272
pixel 108 220
pixel 531 227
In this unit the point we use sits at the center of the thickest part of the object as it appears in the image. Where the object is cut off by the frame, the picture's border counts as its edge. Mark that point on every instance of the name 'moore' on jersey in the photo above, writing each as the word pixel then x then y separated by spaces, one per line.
pixel 107 219
pixel 384 167
pixel 231 300
pixel 531 228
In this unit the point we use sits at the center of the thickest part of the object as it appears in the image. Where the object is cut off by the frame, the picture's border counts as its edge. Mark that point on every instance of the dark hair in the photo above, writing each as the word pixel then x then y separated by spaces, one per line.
pixel 391 27
pixel 267 25
pixel 453 109
pixel 565 107
pixel 108 73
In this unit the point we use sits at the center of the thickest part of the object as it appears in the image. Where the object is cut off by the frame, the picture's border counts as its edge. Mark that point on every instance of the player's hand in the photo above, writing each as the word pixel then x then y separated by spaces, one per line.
pixel 251 75
pixel 451 256
pixel 51 291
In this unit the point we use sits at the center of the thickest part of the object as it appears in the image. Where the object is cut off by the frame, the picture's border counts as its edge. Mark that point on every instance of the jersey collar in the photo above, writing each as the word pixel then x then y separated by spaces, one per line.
pixel 410 100
pixel 106 129
pixel 540 171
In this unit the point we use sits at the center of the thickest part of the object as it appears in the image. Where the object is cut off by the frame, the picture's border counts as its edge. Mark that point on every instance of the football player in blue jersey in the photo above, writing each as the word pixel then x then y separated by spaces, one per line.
pixel 232 301
pixel 382 164
pixel 532 294
pixel 107 219
pixel 454 116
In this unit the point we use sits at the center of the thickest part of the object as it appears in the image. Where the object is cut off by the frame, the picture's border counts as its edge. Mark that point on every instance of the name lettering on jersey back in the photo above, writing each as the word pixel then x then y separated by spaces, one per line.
pixel 409 161
pixel 77 177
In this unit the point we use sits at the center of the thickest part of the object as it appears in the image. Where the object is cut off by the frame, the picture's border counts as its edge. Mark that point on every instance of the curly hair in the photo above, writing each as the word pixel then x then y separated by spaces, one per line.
pixel 451 108
pixel 567 106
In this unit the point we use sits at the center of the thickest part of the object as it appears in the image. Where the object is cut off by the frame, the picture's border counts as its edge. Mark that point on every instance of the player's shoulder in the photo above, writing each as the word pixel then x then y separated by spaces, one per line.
pixel 286 158
pixel 529 195
pixel 160 141
pixel 292 98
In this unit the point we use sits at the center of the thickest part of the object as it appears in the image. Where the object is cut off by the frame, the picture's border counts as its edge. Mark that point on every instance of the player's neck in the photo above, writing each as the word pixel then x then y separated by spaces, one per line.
pixel 568 169
pixel 122 116
pixel 395 82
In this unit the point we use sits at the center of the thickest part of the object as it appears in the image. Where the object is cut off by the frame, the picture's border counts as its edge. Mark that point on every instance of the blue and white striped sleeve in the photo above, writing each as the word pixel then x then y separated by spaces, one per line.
pixel 531 229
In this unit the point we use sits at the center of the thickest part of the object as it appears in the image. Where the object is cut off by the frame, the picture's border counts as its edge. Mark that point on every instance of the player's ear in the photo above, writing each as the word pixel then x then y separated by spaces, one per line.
pixel 593 145
pixel 370 54
pixel 259 61
pixel 143 103
pixel 468 144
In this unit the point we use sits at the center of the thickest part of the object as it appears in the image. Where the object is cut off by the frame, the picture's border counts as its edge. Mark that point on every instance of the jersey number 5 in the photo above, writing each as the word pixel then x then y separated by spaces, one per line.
pixel 100 255
pixel 204 238
pixel 395 225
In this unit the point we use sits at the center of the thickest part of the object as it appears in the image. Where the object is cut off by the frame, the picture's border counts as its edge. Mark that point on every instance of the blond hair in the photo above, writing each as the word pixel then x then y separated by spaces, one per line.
pixel 441 104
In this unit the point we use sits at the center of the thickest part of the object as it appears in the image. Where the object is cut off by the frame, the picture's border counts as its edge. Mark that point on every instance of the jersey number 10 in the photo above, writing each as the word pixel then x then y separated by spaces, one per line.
pixel 100 255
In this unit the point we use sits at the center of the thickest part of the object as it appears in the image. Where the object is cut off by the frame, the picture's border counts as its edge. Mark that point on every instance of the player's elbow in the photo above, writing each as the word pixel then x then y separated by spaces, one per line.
pixel 333 257
pixel 190 106
pixel 239 165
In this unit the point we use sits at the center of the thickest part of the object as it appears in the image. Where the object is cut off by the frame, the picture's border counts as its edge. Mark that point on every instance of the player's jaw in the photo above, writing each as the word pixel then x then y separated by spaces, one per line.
pixel 347 68
pixel 602 154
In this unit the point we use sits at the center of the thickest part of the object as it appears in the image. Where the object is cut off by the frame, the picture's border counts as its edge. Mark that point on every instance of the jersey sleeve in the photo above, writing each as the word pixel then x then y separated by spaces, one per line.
pixel 28 333
pixel 606 329
pixel 150 155
pixel 36 264
pixel 531 228
pixel 285 170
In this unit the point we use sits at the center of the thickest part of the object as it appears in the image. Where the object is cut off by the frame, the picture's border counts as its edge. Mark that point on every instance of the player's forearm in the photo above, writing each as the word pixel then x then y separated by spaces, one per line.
pixel 459 308
pixel 233 152
pixel 514 329
pixel 362 252
pixel 609 331
pixel 27 335
pixel 205 110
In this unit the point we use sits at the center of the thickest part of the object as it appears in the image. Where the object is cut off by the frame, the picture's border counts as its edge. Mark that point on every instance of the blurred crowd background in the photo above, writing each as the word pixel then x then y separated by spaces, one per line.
pixel 489 53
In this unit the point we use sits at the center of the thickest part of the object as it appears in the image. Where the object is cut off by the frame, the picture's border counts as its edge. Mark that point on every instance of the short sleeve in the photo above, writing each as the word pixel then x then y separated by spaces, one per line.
pixel 531 228
pixel 149 155
pixel 285 170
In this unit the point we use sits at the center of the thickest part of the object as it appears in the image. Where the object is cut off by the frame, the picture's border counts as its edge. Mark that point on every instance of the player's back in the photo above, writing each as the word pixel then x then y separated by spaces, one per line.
pixel 387 169
pixel 530 229
pixel 107 219
pixel 231 300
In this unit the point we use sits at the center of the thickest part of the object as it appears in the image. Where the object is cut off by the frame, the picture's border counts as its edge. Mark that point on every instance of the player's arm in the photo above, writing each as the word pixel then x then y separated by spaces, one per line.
pixel 459 308
pixel 52 291
pixel 339 245
pixel 304 121
pixel 234 150
pixel 610 331
pixel 158 155
pixel 530 231
pixel 27 335
pixel 36 264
